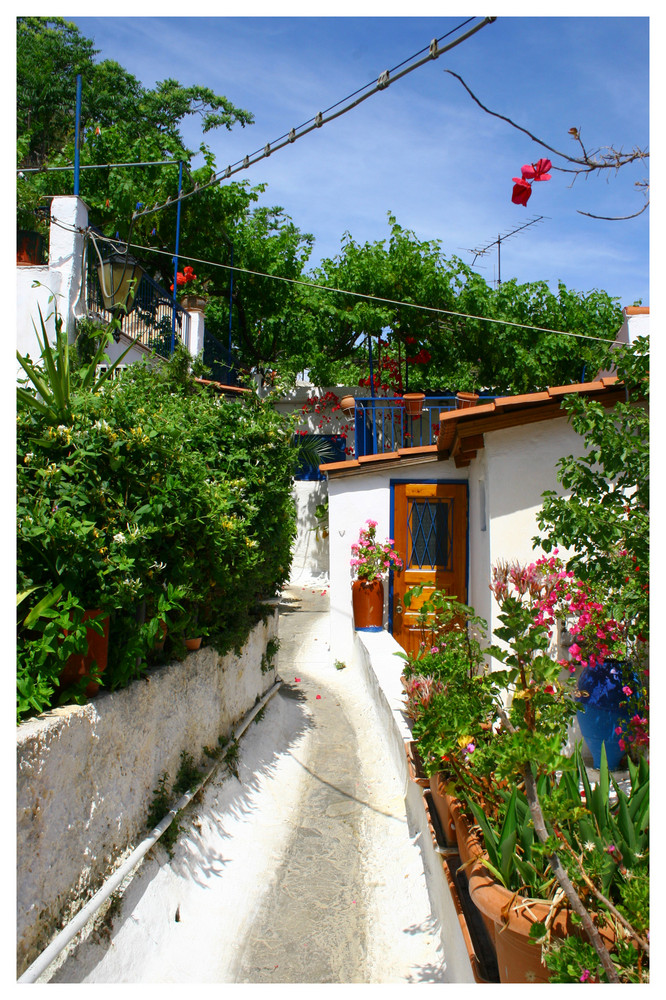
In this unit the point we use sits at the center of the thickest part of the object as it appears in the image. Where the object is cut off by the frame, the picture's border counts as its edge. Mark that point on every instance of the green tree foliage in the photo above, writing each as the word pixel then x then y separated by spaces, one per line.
pixel 121 122
pixel 457 353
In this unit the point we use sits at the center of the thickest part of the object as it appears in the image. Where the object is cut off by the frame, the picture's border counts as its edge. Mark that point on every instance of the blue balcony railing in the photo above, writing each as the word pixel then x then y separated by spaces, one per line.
pixel 382 425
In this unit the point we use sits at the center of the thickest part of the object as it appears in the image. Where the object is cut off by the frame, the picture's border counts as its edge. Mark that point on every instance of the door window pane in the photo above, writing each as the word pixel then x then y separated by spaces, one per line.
pixel 430 533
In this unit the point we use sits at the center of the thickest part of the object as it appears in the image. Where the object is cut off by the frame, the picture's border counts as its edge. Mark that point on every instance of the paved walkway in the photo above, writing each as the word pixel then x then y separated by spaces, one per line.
pixel 349 903
pixel 305 870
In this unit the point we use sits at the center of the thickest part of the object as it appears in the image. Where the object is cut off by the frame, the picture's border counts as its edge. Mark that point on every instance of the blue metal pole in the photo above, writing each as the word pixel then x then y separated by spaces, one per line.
pixel 76 133
pixel 175 259
pixel 372 396
pixel 231 296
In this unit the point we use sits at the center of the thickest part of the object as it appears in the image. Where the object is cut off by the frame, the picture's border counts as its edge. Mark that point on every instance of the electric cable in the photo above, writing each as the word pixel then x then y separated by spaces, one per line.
pixel 360 295
pixel 321 118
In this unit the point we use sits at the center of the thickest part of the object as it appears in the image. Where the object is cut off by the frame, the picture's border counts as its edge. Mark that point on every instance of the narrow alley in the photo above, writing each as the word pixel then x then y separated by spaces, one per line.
pixel 301 870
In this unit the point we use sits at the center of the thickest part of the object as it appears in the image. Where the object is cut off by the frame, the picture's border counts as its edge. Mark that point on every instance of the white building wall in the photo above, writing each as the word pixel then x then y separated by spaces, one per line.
pixel 506 482
pixel 352 501
pixel 62 277
pixel 310 552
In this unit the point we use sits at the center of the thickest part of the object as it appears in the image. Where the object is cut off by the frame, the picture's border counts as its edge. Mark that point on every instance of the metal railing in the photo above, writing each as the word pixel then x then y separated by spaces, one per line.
pixel 382 425
pixel 151 320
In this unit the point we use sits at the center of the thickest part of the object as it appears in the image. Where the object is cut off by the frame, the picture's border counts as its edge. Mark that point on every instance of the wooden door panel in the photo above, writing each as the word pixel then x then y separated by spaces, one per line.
pixel 430 533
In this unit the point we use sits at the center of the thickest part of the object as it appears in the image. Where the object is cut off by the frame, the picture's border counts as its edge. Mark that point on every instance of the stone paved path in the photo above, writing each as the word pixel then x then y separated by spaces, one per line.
pixel 333 913
pixel 303 869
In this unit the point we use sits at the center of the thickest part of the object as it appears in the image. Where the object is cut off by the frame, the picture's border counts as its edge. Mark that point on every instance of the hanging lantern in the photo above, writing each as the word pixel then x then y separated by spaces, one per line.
pixel 119 278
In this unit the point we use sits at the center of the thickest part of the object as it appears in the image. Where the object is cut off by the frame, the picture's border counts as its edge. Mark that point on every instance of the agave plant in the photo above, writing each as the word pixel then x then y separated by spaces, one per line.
pixel 51 380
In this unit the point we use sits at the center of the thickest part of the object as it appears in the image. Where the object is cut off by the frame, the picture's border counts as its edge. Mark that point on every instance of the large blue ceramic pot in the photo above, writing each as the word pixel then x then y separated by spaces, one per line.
pixel 600 692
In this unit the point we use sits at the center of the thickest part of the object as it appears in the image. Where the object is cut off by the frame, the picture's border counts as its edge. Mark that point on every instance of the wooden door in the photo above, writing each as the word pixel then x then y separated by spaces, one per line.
pixel 430 533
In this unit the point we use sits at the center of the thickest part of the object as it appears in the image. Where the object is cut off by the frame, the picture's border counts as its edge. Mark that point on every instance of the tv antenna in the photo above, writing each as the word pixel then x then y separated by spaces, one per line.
pixel 502 238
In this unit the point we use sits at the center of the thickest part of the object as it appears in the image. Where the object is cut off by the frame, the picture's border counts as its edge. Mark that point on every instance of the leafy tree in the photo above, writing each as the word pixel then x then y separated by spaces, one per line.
pixel 121 122
pixel 451 353
pixel 605 519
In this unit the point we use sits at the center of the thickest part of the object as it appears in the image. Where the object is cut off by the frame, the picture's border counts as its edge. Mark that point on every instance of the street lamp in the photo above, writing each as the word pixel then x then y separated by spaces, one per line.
pixel 119 278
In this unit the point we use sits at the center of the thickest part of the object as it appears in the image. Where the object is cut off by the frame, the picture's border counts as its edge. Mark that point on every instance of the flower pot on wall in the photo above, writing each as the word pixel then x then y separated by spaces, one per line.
pixel 193 644
pixel 159 645
pixel 78 665
pixel 191 302
pixel 368 605
pixel 348 405
pixel 600 694
pixel 465 400
pixel 442 801
pixel 413 403
pixel 28 247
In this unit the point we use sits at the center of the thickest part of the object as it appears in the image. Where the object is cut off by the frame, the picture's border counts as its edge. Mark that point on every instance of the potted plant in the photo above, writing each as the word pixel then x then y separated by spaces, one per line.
pixel 413 402
pixel 371 561
pixel 538 841
pixel 192 291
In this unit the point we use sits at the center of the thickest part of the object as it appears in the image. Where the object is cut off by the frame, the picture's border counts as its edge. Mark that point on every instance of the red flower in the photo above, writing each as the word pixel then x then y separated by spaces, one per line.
pixel 537 171
pixel 521 191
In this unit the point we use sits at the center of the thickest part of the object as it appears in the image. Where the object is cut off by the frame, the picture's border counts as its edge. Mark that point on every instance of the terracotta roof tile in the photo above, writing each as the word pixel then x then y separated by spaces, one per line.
pixel 565 390
pixel 504 402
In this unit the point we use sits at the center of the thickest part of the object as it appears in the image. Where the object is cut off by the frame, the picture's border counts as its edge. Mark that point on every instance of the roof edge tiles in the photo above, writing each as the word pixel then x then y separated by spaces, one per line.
pixel 461 431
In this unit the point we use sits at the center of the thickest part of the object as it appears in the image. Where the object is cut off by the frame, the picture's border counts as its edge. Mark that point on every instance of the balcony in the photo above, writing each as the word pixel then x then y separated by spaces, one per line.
pixel 382 425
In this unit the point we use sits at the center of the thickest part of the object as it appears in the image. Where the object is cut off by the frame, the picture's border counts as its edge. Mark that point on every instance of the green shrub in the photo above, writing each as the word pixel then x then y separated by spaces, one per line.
pixel 153 483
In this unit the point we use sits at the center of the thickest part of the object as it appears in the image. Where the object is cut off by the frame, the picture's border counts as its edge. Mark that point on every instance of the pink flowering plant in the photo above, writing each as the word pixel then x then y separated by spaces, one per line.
pixel 372 560
pixel 499 737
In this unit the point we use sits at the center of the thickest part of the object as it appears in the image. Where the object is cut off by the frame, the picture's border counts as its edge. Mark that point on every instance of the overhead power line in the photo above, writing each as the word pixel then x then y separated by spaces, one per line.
pixel 323 117
pixel 359 295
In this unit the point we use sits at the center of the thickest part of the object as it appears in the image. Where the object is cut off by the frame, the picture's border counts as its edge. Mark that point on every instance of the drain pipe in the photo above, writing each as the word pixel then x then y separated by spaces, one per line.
pixel 60 942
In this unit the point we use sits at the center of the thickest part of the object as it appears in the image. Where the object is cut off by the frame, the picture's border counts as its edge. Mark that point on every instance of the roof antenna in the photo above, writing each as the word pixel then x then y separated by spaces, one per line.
pixel 501 238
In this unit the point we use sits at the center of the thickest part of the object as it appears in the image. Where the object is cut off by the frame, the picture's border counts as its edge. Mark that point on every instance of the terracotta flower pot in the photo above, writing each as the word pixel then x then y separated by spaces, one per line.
pixel 442 801
pixel 193 643
pixel 519 958
pixel 470 848
pixel 80 664
pixel 190 302
pixel 28 247
pixel 368 605
pixel 159 645
pixel 348 405
pixel 413 403
pixel 465 400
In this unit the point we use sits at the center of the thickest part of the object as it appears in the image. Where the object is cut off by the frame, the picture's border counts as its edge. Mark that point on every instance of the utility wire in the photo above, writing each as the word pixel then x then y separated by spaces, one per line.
pixel 321 118
pixel 358 295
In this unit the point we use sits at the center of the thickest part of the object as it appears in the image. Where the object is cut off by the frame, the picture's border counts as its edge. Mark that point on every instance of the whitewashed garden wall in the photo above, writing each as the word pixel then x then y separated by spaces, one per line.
pixel 86 774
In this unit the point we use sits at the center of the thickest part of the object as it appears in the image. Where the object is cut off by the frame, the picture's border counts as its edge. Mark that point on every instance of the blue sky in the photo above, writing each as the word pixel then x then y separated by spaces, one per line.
pixel 421 149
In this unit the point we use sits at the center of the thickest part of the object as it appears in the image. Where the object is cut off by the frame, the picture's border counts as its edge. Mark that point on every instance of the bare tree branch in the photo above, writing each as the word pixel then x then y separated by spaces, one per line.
pixel 610 159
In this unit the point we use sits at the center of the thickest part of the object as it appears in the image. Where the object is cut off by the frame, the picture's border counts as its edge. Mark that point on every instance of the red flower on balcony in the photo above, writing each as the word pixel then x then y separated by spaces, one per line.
pixel 422 358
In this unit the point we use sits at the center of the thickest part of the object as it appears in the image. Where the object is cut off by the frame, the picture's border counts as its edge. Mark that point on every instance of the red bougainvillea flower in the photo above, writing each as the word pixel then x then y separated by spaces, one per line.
pixel 522 191
pixel 537 171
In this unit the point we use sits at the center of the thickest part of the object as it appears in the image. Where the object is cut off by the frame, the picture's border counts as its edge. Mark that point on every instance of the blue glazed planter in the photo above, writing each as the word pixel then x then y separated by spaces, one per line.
pixel 600 691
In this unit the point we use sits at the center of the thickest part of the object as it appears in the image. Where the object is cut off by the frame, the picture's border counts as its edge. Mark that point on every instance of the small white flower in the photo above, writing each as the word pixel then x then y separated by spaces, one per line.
pixel 29 455
pixel 589 846
pixel 119 538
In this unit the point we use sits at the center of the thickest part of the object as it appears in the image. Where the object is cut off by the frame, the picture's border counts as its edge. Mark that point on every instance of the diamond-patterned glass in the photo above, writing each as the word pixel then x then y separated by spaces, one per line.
pixel 430 524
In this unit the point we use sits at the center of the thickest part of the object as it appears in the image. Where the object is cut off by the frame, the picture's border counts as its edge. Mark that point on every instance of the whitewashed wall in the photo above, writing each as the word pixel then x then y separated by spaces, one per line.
pixel 310 552
pixel 62 276
pixel 86 775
